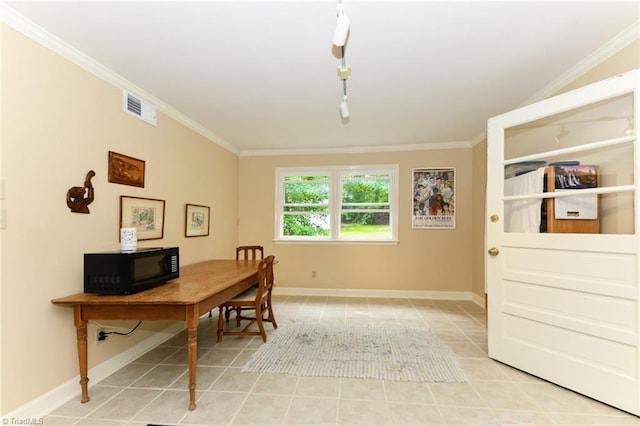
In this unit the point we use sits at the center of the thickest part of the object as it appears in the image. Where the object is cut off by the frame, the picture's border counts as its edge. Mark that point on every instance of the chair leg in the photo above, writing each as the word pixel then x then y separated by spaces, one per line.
pixel 238 315
pixel 272 317
pixel 263 333
pixel 220 324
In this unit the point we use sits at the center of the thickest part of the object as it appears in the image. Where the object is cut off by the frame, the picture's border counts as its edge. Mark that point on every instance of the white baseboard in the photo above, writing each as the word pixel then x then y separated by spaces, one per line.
pixel 478 300
pixel 53 399
pixel 392 294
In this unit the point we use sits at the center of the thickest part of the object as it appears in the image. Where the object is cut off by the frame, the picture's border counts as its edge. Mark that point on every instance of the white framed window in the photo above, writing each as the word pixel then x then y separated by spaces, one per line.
pixel 337 204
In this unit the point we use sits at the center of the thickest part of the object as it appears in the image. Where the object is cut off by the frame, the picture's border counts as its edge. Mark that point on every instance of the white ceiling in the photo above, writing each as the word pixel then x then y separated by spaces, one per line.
pixel 262 75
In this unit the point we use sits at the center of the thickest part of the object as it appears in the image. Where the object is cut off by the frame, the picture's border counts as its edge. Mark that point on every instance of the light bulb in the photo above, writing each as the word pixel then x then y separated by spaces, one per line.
pixel 342 30
pixel 563 133
pixel 629 130
pixel 344 108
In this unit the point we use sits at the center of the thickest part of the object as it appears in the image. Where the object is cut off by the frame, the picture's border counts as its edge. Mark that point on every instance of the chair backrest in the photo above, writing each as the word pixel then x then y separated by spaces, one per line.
pixel 245 250
pixel 265 278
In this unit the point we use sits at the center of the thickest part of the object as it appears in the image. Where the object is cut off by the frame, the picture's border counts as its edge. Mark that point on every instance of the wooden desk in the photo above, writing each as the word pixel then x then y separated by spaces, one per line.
pixel 200 288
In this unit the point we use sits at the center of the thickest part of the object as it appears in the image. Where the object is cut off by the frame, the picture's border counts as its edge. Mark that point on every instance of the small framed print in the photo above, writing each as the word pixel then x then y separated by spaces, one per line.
pixel 126 170
pixel 196 221
pixel 144 214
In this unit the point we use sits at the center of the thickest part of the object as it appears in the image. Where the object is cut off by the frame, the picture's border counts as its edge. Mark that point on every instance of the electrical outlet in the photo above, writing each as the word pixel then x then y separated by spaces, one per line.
pixel 100 330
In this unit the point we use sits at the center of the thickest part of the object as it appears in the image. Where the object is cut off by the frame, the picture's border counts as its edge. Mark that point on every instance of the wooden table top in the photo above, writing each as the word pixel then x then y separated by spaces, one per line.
pixel 196 283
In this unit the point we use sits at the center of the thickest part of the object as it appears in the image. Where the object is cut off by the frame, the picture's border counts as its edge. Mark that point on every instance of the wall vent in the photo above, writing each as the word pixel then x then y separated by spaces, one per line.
pixel 140 108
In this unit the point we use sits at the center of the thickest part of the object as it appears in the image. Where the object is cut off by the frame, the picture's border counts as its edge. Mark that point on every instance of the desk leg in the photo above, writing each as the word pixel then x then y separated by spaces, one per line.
pixel 192 330
pixel 81 335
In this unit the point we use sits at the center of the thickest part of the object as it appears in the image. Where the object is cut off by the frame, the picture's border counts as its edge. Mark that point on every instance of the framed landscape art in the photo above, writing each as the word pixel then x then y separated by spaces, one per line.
pixel 196 221
pixel 144 214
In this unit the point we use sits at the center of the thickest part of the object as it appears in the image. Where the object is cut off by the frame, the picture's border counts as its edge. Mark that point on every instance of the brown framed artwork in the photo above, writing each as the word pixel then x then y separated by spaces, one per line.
pixel 196 221
pixel 144 214
pixel 126 170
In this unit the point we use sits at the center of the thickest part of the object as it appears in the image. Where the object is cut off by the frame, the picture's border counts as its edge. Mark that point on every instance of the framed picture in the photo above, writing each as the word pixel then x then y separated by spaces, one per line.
pixel 434 205
pixel 144 214
pixel 196 221
pixel 126 170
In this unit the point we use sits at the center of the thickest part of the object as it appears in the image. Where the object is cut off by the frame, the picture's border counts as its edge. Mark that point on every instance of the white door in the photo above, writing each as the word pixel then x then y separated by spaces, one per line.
pixel 564 306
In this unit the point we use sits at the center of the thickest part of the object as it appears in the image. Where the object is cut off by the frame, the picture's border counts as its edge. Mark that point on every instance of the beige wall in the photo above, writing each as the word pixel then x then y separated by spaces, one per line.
pixel 59 122
pixel 424 260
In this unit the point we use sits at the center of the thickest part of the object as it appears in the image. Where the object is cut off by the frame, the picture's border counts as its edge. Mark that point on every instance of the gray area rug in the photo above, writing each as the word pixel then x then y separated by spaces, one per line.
pixel 397 353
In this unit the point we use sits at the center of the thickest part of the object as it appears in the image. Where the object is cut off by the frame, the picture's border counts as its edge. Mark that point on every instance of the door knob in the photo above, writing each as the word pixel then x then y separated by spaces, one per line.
pixel 494 251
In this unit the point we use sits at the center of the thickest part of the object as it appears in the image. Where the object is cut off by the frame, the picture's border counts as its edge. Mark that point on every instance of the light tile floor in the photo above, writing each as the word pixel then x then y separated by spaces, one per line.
pixel 152 389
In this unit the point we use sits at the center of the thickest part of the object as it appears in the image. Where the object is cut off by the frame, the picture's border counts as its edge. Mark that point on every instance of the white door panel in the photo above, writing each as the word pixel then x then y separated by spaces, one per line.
pixel 565 307
pixel 598 315
pixel 594 272
pixel 600 368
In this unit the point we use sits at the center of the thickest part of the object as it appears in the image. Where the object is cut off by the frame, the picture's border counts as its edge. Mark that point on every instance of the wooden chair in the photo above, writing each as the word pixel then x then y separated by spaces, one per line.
pixel 243 252
pixel 256 298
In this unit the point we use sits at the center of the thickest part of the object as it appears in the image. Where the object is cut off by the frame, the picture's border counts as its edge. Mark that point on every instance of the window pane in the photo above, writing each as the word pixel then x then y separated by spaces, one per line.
pixel 306 190
pixel 365 225
pixel 365 189
pixel 306 225
pixel 365 206
pixel 306 206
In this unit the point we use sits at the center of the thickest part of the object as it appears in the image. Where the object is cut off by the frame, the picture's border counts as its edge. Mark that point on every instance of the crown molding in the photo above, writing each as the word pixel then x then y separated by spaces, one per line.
pixel 357 150
pixel 613 46
pixel 481 137
pixel 53 43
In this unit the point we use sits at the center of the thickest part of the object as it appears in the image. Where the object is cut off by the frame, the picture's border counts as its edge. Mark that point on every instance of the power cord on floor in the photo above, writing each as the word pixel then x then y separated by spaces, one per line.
pixel 104 334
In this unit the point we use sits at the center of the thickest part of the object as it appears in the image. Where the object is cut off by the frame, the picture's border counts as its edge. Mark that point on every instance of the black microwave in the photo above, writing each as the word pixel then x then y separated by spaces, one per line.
pixel 128 272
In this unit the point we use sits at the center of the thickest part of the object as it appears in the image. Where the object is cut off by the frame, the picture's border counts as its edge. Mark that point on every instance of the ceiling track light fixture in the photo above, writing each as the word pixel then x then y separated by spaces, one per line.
pixel 344 71
pixel 342 26
pixel 629 130
pixel 563 134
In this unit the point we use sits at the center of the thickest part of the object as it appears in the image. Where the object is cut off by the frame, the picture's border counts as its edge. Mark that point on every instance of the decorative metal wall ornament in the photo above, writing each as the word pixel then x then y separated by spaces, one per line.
pixel 79 197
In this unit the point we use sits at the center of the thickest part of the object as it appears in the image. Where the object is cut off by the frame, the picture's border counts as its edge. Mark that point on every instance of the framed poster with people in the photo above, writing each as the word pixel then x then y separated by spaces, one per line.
pixel 434 198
